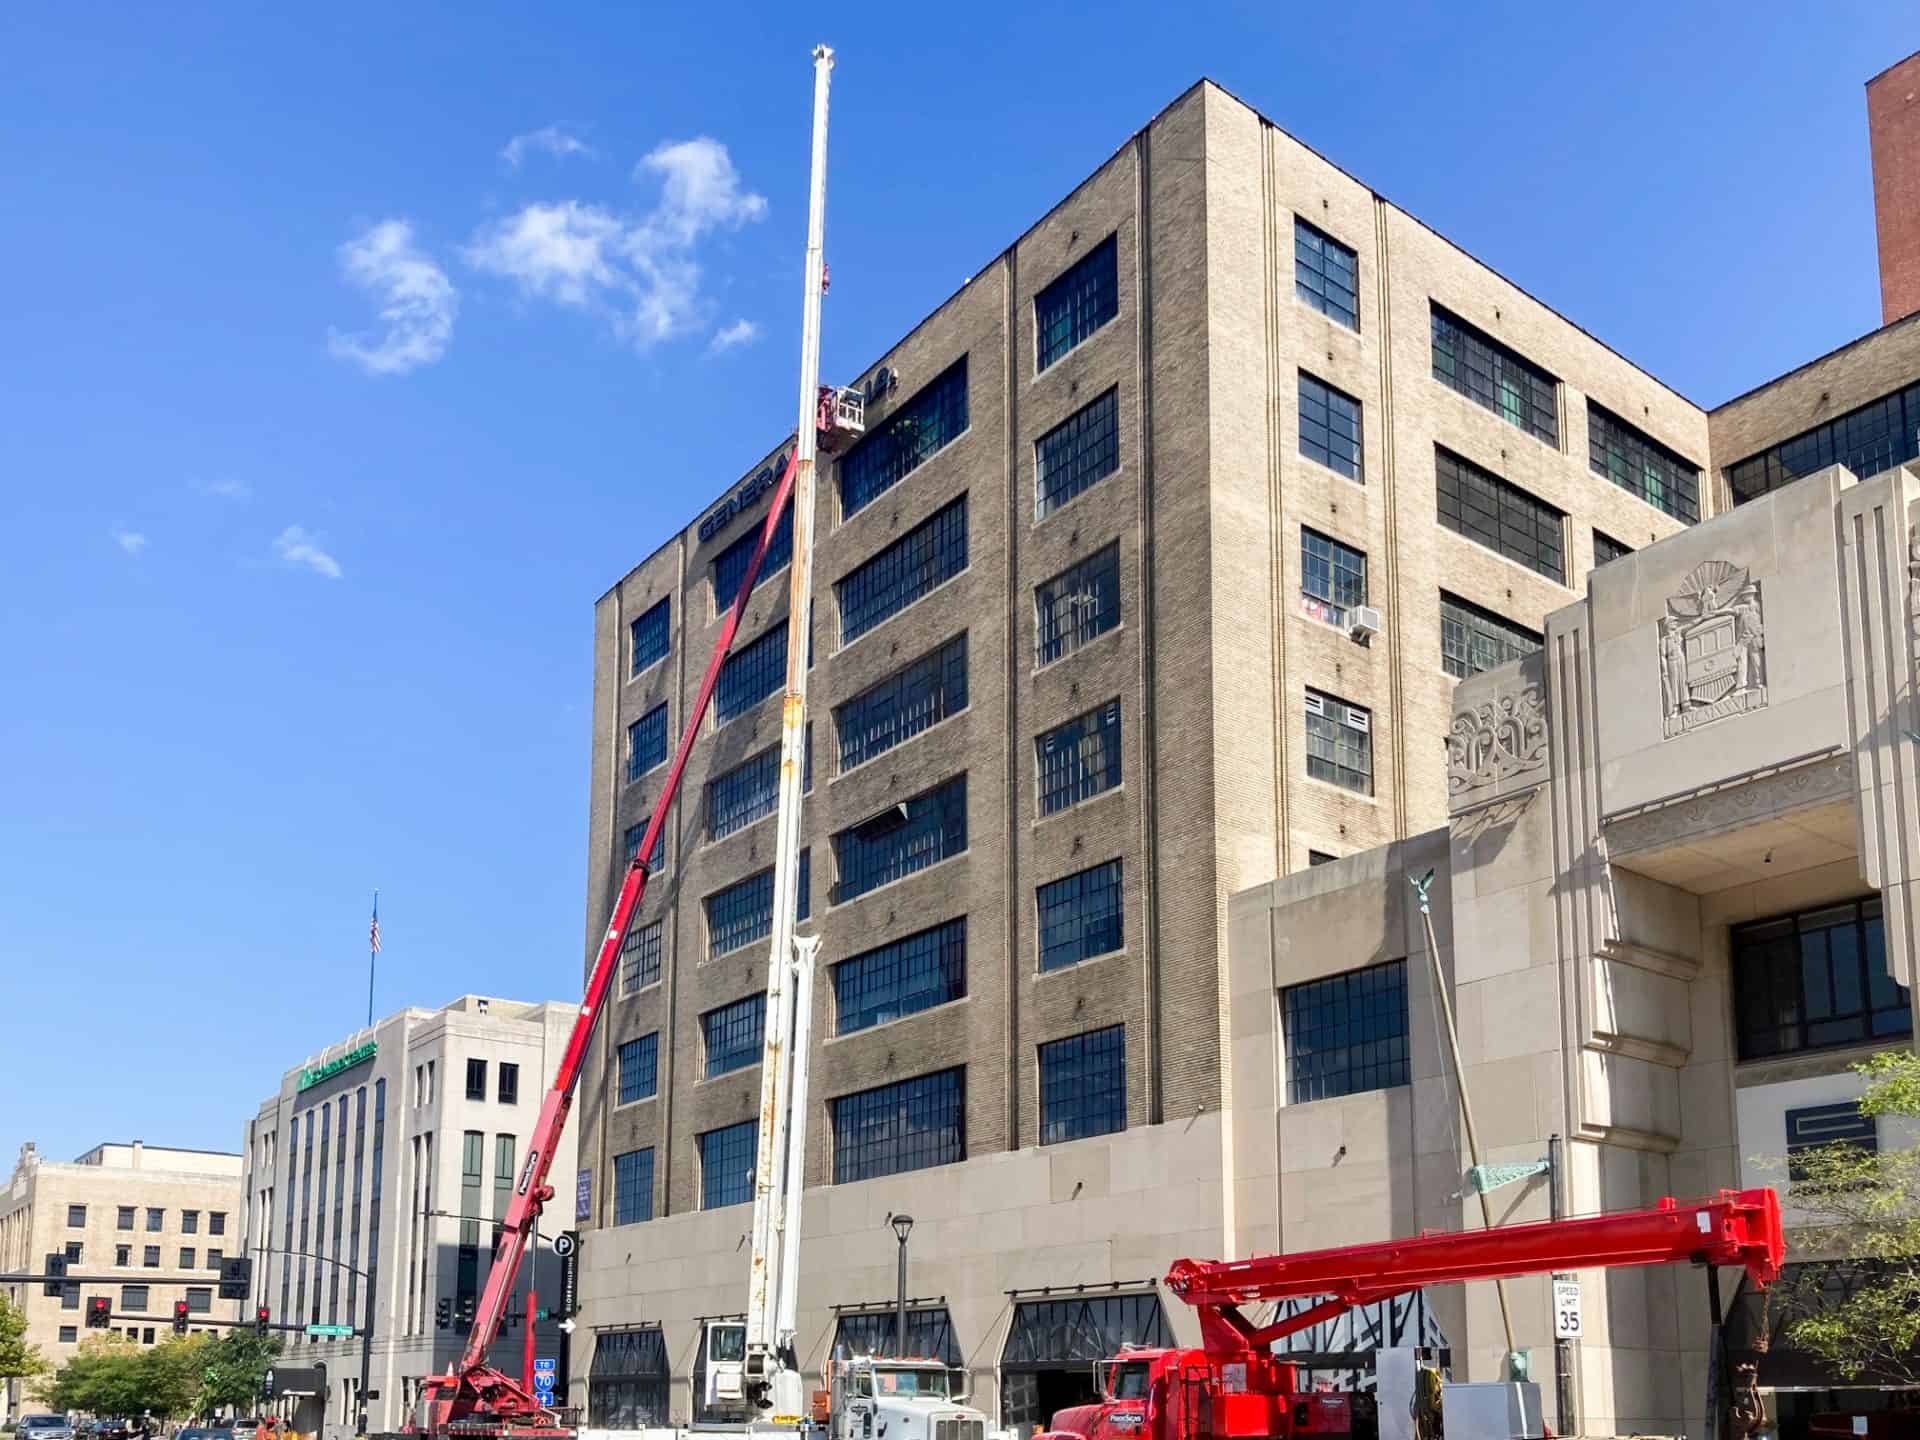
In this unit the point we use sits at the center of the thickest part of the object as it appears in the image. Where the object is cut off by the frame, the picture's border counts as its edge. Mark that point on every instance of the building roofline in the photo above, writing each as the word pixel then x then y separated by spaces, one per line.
pixel 1787 375
pixel 147 1145
pixel 1871 79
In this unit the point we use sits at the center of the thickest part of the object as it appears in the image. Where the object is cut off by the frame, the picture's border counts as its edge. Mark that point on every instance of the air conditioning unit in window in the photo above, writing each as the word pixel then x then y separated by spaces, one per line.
pixel 1363 623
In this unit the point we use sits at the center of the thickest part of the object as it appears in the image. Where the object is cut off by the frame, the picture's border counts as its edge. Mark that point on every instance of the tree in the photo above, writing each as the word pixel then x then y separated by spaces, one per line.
pixel 174 1373
pixel 18 1359
pixel 1864 1209
pixel 233 1369
pixel 102 1378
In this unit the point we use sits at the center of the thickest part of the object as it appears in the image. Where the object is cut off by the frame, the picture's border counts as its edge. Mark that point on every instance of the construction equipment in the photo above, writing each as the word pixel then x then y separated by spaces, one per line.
pixel 1234 1385
pixel 473 1398
pixel 869 1397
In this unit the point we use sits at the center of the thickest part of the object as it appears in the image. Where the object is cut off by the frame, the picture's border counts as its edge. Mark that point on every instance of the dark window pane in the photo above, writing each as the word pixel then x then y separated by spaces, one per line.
pixel 1079 759
pixel 1473 640
pixel 1075 606
pixel 733 1034
pixel 907 976
pixel 632 1191
pixel 1606 549
pixel 1333 578
pixel 630 846
pixel 927 556
pixel 1339 742
pixel 647 742
pixel 1813 980
pixel 1077 304
pixel 743 912
pixel 1877 436
pixel 743 794
pixel 640 957
pixel 730 565
pixel 750 674
pixel 1330 427
pixel 1347 1033
pixel 1074 455
pixel 726 1164
pixel 1326 274
pixel 639 1068
pixel 650 636
pixel 905 440
pixel 1080 916
pixel 1489 374
pixel 908 701
pixel 1500 516
pixel 900 840
pixel 909 1125
pixel 1083 1085
pixel 1638 463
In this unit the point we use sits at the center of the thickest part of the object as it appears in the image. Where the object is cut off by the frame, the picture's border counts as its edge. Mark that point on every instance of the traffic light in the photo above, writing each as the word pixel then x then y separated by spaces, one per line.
pixel 443 1313
pixel 466 1309
pixel 179 1317
pixel 99 1312
pixel 262 1318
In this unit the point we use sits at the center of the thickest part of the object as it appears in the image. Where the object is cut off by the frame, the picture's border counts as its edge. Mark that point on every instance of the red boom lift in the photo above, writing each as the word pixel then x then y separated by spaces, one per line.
pixel 1235 1386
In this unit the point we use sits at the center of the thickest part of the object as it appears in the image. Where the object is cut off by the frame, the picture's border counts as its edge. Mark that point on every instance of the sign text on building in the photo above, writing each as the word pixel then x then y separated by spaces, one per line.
pixel 313 1074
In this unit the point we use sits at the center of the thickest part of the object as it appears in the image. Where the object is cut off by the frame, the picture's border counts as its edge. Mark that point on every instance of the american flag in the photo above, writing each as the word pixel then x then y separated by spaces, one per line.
pixel 373 930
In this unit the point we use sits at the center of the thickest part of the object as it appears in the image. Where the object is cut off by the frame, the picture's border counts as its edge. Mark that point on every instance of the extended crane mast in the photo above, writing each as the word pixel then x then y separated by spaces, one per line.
pixel 473 1398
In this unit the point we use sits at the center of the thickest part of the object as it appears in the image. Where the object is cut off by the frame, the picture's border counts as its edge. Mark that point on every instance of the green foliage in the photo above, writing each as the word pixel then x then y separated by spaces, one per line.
pixel 18 1359
pixel 233 1368
pixel 110 1375
pixel 1864 1208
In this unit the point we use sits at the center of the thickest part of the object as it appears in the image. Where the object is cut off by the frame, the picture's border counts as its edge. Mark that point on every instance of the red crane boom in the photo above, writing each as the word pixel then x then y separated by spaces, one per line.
pixel 473 1391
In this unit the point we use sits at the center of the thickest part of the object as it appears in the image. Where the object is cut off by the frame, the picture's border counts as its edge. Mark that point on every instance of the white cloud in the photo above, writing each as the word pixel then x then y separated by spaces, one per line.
pixel 223 489
pixel 643 273
pixel 131 541
pixel 417 301
pixel 296 547
pixel 548 140
pixel 740 332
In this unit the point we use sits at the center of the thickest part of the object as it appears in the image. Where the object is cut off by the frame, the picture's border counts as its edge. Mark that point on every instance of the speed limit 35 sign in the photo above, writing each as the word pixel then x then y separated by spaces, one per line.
pixel 1566 1309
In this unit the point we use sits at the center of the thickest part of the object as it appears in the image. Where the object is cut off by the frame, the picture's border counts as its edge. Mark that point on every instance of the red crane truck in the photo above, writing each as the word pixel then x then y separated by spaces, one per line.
pixel 1234 1386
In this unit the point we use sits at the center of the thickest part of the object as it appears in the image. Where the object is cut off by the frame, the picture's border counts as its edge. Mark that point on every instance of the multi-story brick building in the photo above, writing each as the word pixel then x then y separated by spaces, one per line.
pixel 157 1220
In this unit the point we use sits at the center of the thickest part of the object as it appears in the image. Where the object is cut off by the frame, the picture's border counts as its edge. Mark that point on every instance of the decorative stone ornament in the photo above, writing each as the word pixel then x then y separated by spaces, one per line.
pixel 1713 656
pixel 1496 740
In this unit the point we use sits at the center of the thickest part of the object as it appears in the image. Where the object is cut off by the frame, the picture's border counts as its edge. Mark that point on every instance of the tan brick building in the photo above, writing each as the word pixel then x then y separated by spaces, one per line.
pixel 129 1212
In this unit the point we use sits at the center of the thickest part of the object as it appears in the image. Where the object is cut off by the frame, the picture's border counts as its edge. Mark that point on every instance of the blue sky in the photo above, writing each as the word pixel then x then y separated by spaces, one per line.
pixel 296 597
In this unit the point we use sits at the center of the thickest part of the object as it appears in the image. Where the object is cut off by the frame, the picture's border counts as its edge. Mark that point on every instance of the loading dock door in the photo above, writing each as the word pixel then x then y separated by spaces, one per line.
pixel 1052 1344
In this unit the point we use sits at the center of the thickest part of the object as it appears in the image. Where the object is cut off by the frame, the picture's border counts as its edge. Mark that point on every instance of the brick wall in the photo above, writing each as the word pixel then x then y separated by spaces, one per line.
pixel 1893 134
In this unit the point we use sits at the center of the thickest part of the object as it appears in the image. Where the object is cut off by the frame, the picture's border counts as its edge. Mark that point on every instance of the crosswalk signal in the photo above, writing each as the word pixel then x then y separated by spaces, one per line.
pixel 262 1319
pixel 443 1313
pixel 179 1317
pixel 99 1312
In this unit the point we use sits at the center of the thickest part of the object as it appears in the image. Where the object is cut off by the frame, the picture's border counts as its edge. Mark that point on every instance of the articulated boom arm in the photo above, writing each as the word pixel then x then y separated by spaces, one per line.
pixel 1734 1228
pixel 472 1386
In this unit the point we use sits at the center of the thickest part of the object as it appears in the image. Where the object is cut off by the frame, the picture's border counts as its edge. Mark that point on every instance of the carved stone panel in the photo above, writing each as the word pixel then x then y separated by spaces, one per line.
pixel 1497 743
pixel 1713 654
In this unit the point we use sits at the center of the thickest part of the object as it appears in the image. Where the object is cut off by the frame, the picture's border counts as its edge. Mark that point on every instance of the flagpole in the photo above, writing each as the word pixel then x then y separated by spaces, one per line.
pixel 373 950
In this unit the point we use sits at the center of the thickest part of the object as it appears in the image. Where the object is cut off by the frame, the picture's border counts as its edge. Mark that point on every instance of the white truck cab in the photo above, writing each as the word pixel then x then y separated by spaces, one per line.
pixel 725 1396
pixel 871 1398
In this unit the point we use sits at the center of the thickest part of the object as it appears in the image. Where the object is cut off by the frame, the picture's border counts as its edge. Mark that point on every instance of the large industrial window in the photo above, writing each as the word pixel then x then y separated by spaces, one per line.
pixel 1053 1345
pixel 1641 465
pixel 743 794
pixel 726 1164
pixel 1333 577
pixel 733 1034
pixel 1339 743
pixel 640 957
pixel 1606 549
pixel 923 970
pixel 743 912
pixel 877 1332
pixel 647 742
pixel 1473 640
pixel 631 845
pixel 639 1068
pixel 901 839
pixel 627 1386
pixel 1077 304
pixel 1816 980
pixel 905 440
pixel 750 674
pixel 633 1186
pixel 1083 1085
pixel 1079 759
pixel 1326 274
pixel 909 1125
pixel 730 565
pixel 1347 1033
pixel 650 636
pixel 1330 428
pixel 1077 453
pixel 1489 374
pixel 1877 436
pixel 908 701
pixel 927 556
pixel 1076 605
pixel 1080 915
pixel 1500 516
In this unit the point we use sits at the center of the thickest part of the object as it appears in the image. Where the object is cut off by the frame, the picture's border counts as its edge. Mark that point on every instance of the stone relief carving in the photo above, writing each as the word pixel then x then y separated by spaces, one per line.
pixel 1815 783
pixel 1713 654
pixel 1496 740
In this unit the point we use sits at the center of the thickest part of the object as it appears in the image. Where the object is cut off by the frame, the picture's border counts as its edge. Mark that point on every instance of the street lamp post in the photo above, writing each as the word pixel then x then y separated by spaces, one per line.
pixel 902 1227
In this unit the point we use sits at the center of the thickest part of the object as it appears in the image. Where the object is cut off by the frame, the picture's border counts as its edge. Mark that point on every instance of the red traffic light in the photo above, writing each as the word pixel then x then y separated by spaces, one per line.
pixel 99 1312
pixel 179 1317
pixel 262 1318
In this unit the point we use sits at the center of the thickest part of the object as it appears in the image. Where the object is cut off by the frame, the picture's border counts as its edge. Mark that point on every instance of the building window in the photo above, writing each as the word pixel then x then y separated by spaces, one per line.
pixel 744 794
pixel 927 556
pixel 740 914
pixel 726 1164
pixel 69 1334
pixel 1877 436
pixel 1326 274
pixel 1076 605
pixel 1815 1127
pixel 913 434
pixel 1606 549
pixel 1339 743
pixel 908 701
pixel 650 637
pixel 509 1093
pixel 1473 640
pixel 123 1255
pixel 186 1257
pixel 1320 857
pixel 640 957
pixel 74 1251
pixel 146 1335
pixel 476 1079
pixel 1816 980
pixel 76 1216
pixel 1077 304
pixel 630 843
pixel 216 1222
pixel 1489 374
pixel 1500 516
pixel 909 1125
pixel 123 1220
pixel 640 1068
pixel 1330 428
pixel 150 1257
pixel 1081 916
pixel 1079 759
pixel 70 1297
pixel 1347 1033
pixel 647 743
pixel 730 565
pixel 917 973
pixel 734 1034
pixel 199 1299
pixel 1333 578
pixel 750 674
pixel 1641 465
pixel 215 1258
pixel 1076 454
pixel 901 839
pixel 630 1376
pixel 1083 1085
pixel 133 1299
pixel 633 1186
pixel 156 1219
pixel 876 1332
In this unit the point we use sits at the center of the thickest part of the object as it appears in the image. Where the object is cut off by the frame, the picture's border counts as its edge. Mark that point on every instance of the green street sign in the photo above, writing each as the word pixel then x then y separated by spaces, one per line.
pixel 329 1332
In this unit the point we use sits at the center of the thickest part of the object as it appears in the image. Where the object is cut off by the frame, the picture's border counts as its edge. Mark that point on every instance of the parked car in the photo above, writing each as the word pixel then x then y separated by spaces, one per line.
pixel 45 1427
